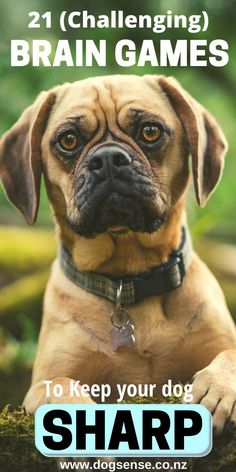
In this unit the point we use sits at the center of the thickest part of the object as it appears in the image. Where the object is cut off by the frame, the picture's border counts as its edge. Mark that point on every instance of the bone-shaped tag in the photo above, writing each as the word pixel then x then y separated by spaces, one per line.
pixel 122 336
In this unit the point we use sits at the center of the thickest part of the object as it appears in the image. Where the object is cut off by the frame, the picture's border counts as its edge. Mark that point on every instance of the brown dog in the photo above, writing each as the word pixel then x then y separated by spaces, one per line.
pixel 114 155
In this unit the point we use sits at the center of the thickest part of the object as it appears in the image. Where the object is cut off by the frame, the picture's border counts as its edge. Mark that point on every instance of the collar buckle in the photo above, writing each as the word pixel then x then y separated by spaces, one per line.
pixel 164 278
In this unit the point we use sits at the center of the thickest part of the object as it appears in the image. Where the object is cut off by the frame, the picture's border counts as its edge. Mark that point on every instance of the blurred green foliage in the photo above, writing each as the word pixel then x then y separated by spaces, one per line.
pixel 23 250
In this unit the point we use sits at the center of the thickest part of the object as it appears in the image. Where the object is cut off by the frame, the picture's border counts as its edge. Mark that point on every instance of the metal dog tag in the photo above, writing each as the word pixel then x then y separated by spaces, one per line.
pixel 122 336
pixel 122 332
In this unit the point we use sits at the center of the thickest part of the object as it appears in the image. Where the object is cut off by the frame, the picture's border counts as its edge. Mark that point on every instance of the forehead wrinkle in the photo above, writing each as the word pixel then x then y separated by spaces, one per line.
pixel 98 110
pixel 84 109
pixel 134 113
pixel 109 106
pixel 102 121
pixel 107 103
pixel 75 97
pixel 114 126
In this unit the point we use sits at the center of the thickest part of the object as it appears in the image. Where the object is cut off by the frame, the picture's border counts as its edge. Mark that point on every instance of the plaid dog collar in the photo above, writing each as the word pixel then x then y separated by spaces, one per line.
pixel 157 281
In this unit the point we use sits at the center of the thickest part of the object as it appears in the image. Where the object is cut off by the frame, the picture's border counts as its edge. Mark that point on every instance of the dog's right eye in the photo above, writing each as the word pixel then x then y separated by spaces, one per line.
pixel 68 141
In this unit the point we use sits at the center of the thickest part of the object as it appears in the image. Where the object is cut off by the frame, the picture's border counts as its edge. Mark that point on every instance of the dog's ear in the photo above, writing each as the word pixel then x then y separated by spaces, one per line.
pixel 20 156
pixel 207 143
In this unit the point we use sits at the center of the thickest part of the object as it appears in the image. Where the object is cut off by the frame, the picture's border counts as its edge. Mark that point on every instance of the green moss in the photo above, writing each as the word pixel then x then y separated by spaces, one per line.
pixel 17 448
pixel 148 400
pixel 222 458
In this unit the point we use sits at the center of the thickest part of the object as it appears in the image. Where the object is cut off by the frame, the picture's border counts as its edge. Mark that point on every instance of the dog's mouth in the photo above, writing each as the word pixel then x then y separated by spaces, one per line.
pixel 115 211
pixel 118 230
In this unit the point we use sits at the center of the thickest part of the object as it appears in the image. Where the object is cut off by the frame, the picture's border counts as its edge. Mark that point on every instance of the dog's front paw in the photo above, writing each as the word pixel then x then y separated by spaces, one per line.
pixel 215 388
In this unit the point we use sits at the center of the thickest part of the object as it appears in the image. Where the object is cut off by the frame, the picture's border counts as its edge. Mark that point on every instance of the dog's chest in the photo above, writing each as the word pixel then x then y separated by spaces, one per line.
pixel 155 352
pixel 153 359
pixel 158 338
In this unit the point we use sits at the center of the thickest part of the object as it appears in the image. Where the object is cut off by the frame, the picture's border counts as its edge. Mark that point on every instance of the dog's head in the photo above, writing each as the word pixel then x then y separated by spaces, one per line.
pixel 113 151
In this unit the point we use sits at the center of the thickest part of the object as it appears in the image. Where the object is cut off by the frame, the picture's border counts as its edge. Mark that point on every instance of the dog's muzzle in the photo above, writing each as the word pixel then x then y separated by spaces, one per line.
pixel 115 190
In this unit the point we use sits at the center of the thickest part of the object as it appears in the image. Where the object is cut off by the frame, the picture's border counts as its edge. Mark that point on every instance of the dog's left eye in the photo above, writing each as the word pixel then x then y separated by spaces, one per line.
pixel 150 133
pixel 69 141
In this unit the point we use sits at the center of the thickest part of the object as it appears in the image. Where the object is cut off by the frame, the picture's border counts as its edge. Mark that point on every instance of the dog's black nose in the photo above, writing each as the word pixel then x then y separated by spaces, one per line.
pixel 107 160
